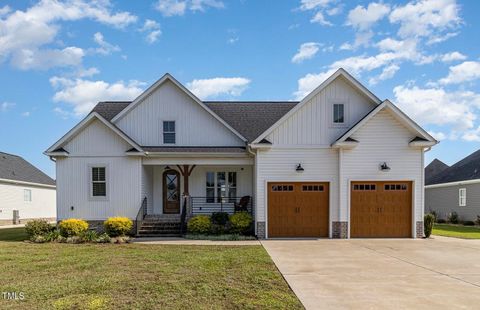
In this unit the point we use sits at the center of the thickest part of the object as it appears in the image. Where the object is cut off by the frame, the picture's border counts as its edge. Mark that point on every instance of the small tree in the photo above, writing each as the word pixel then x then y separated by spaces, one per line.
pixel 428 221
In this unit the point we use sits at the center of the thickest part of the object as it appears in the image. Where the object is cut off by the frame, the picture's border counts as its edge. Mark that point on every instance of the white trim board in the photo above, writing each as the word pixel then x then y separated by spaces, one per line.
pixel 456 183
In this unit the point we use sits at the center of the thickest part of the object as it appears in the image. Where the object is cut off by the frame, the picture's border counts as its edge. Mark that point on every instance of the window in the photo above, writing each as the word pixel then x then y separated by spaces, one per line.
pixel 27 195
pixel 99 182
pixel 338 113
pixel 395 187
pixel 364 187
pixel 312 188
pixel 462 197
pixel 222 186
pixel 282 188
pixel 169 132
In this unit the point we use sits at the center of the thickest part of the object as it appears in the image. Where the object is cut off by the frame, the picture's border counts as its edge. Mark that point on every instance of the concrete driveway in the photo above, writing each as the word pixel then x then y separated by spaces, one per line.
pixel 440 273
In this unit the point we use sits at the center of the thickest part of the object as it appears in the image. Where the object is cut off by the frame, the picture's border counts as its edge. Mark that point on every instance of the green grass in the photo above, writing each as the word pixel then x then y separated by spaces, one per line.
pixel 139 276
pixel 456 231
pixel 13 234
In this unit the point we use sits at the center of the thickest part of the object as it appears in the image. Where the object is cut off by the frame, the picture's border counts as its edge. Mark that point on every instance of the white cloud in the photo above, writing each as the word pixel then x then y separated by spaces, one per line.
pixel 306 5
pixel 87 72
pixel 179 7
pixel 233 40
pixel 387 73
pixel 210 88
pixel 306 51
pixel 472 135
pixel 422 18
pixel 309 82
pixel 320 19
pixel 453 56
pixel 83 94
pixel 319 6
pixel 26 59
pixel 23 34
pixel 104 47
pixel 434 39
pixel 438 135
pixel 335 10
pixel 363 18
pixel 6 106
pixel 26 114
pixel 152 28
pixel 5 10
pixel 464 72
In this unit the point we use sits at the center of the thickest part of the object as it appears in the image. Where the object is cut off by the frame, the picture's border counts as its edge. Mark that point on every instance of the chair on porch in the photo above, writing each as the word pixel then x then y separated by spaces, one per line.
pixel 242 205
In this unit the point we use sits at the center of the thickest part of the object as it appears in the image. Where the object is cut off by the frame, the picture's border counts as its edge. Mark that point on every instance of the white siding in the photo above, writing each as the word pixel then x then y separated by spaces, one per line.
pixel 312 123
pixel 383 139
pixel 320 164
pixel 194 125
pixel 98 145
pixel 41 206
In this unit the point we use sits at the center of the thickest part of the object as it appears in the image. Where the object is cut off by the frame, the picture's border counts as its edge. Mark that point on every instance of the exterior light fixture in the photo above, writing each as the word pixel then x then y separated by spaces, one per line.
pixel 299 168
pixel 167 168
pixel 384 167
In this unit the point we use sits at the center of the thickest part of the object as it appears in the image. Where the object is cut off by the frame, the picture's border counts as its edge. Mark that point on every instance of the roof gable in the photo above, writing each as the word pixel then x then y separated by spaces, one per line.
pixel 15 168
pixel 466 169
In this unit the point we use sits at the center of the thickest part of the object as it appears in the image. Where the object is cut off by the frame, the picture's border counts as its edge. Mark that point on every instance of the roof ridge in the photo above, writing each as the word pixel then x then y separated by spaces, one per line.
pixel 11 154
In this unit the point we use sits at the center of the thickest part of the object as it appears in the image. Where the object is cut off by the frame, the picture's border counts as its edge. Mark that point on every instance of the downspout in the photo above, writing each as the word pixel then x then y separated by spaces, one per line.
pixel 254 154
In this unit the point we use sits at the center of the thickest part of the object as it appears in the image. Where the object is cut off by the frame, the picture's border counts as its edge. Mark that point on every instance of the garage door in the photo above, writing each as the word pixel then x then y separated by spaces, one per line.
pixel 298 209
pixel 381 209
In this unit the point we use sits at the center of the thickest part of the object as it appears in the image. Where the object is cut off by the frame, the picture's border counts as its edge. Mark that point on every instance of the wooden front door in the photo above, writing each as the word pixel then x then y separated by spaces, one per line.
pixel 171 192
pixel 381 209
pixel 298 209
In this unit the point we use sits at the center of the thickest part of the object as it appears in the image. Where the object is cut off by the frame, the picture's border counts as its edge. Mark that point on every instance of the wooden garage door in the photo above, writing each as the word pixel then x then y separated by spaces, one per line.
pixel 381 209
pixel 298 209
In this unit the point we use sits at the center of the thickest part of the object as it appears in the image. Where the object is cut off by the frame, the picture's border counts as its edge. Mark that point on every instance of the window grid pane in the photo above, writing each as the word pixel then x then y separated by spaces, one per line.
pixel 169 132
pixel 338 113
pixel 99 184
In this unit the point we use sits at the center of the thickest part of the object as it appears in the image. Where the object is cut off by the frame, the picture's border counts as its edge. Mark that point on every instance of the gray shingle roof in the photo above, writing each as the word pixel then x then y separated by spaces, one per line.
pixel 249 118
pixel 13 167
pixel 433 169
pixel 466 169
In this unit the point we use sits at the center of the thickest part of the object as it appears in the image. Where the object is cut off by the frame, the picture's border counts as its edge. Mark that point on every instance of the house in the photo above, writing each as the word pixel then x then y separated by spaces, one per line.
pixel 26 193
pixel 340 163
pixel 454 189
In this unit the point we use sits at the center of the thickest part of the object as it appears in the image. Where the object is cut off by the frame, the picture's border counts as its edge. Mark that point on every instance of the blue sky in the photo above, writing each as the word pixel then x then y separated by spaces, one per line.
pixel 58 58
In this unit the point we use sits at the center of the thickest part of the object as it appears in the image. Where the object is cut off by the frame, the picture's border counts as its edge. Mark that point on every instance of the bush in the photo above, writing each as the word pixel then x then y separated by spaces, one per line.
pixel 89 236
pixel 241 222
pixel 72 227
pixel 199 224
pixel 468 223
pixel 453 218
pixel 38 228
pixel 441 221
pixel 52 236
pixel 103 238
pixel 219 218
pixel 435 214
pixel 478 220
pixel 428 221
pixel 118 226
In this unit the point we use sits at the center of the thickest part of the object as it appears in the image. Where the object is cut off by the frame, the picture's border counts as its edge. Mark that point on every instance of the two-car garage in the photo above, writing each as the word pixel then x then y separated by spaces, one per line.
pixel 377 209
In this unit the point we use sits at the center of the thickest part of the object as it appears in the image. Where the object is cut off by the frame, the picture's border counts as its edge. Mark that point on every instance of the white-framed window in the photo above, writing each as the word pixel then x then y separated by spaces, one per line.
pixel 27 195
pixel 221 186
pixel 462 197
pixel 339 113
pixel 169 132
pixel 98 181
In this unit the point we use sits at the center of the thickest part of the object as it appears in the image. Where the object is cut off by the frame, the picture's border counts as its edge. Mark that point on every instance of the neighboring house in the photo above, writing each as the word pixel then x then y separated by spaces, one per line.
pixel 340 163
pixel 25 192
pixel 454 189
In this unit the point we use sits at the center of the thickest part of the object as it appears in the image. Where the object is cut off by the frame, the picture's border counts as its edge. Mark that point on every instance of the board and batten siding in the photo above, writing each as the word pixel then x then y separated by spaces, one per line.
pixel 313 124
pixel 445 200
pixel 43 204
pixel 194 126
pixel 383 139
pixel 98 145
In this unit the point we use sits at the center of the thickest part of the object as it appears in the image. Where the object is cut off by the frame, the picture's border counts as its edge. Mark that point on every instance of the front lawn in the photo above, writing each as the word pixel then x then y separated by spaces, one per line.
pixel 456 231
pixel 139 276
pixel 13 234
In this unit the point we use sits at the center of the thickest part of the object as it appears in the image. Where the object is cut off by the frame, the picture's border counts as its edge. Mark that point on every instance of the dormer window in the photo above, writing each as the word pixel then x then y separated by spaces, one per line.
pixel 338 113
pixel 169 132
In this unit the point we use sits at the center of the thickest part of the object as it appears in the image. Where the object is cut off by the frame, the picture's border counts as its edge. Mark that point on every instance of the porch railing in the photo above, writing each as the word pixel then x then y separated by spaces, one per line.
pixel 142 212
pixel 209 205
pixel 183 215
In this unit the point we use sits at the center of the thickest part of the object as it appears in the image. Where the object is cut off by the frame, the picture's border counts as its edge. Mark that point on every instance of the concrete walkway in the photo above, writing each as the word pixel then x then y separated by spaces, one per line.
pixel 439 273
pixel 182 241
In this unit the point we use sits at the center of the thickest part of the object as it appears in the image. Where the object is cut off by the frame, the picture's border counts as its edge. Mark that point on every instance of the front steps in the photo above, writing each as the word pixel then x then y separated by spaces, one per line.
pixel 167 225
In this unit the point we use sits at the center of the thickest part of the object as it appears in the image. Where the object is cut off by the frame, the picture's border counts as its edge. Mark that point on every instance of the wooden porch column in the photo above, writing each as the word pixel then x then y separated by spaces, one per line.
pixel 185 171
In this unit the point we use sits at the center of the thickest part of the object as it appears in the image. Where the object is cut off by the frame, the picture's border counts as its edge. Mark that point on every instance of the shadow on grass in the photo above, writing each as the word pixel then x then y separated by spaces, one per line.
pixel 13 234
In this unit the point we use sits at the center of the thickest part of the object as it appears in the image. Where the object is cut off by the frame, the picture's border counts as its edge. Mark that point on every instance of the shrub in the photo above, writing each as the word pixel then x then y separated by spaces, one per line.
pixel 38 239
pixel 72 227
pixel 118 226
pixel 453 218
pixel 38 228
pixel 435 214
pixel 52 236
pixel 241 222
pixel 103 238
pixel 89 236
pixel 478 220
pixel 428 221
pixel 441 221
pixel 199 224
pixel 468 223
pixel 219 218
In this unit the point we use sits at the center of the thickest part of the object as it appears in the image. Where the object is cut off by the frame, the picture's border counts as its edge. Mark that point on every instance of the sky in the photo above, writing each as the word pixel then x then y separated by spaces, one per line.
pixel 58 58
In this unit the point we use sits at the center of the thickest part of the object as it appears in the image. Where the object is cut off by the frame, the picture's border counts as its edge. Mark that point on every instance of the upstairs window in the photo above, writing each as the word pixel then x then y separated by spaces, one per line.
pixel 338 113
pixel 27 195
pixel 99 182
pixel 462 197
pixel 169 132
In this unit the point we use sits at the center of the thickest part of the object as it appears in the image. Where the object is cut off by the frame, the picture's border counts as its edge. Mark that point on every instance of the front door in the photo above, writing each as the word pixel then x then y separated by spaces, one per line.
pixel 171 192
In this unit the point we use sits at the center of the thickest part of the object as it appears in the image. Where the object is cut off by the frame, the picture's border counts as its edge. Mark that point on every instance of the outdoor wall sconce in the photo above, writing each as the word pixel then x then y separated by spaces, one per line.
pixel 299 168
pixel 384 167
